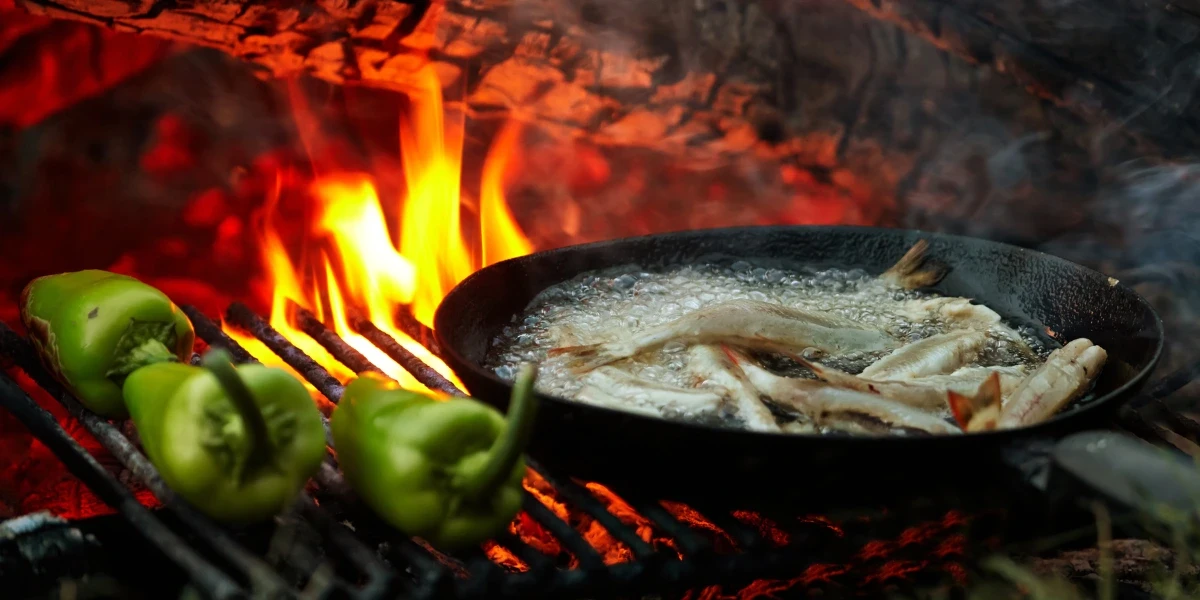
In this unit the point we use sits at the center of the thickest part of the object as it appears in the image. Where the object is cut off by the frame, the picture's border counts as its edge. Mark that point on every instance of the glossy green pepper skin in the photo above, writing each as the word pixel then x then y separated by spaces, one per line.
pixel 448 471
pixel 93 328
pixel 237 455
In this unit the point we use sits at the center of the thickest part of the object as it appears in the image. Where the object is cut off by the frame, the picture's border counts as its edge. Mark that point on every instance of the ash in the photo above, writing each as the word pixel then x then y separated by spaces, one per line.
pixel 604 305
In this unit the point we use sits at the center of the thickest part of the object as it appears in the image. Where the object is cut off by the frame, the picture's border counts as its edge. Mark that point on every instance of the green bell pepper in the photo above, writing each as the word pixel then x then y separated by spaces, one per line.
pixel 447 471
pixel 237 443
pixel 93 328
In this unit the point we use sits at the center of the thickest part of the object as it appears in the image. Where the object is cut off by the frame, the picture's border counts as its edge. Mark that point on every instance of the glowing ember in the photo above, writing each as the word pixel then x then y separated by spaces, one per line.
pixel 693 518
pixel 351 260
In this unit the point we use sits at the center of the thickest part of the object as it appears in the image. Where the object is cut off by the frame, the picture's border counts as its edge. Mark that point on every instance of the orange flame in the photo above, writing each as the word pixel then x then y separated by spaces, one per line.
pixel 352 261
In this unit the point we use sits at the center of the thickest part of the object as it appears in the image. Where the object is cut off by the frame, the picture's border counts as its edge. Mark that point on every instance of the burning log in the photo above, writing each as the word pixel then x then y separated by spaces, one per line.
pixel 61 63
pixel 827 103
pixel 631 71
pixel 687 72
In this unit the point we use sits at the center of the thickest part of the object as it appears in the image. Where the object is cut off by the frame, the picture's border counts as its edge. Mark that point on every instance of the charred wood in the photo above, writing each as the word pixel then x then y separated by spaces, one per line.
pixel 60 63
pixel 876 124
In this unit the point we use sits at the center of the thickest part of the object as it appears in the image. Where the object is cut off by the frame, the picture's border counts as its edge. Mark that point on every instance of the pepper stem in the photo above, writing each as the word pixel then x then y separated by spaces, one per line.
pixel 219 363
pixel 143 343
pixel 507 448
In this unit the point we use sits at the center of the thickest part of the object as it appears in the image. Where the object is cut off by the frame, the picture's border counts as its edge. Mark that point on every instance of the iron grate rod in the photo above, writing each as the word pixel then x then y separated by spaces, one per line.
pixel 538 563
pixel 332 342
pixel 319 377
pixel 589 559
pixel 417 331
pixel 559 528
pixel 212 335
pixel 689 543
pixel 263 578
pixel 84 466
pixel 239 314
pixel 266 581
pixel 422 372
pixel 380 579
pixel 585 501
pixel 210 332
pixel 747 537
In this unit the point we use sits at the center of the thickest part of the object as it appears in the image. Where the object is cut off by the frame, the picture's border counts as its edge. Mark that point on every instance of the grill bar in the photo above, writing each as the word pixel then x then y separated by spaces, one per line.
pixel 262 577
pixel 210 332
pixel 212 335
pixel 689 542
pixel 423 572
pixel 329 479
pixel 239 314
pixel 337 347
pixel 537 562
pixel 588 503
pixel 395 351
pixel 204 575
pixel 340 350
pixel 417 331
pixel 589 559
pixel 427 375
pixel 380 579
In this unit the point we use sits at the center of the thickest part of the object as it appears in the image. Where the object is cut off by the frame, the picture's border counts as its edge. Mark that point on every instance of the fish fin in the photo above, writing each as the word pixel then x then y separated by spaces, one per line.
pixel 586 357
pixel 960 408
pixel 735 359
pixel 981 412
pixel 733 355
pixel 834 376
pixel 910 273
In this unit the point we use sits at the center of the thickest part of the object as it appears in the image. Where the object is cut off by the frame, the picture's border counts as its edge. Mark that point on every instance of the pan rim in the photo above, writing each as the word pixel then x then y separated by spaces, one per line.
pixel 1114 395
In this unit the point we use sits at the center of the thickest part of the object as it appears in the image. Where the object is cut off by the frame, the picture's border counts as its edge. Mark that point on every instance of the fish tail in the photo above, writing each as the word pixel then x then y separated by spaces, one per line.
pixel 960 408
pixel 586 357
pixel 981 412
pixel 910 272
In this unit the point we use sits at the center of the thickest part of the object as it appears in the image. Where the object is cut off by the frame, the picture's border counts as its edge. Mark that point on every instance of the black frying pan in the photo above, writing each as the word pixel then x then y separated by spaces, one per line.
pixel 675 459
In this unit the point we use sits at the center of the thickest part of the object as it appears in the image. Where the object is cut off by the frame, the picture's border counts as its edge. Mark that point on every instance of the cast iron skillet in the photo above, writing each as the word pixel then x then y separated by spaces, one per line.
pixel 674 459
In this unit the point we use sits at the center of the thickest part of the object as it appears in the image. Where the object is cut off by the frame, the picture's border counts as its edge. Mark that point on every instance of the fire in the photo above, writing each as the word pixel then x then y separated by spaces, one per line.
pixel 354 260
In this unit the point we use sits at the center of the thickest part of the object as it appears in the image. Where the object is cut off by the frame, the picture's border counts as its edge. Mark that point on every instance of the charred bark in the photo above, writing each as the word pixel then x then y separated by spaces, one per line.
pixel 585 64
pixel 853 105
pixel 60 63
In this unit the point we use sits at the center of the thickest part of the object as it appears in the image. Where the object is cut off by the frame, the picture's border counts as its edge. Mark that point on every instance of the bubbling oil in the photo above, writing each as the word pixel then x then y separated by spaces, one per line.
pixel 612 304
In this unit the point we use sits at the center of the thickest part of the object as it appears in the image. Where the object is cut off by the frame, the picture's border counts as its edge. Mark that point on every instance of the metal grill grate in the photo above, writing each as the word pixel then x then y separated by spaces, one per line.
pixel 369 560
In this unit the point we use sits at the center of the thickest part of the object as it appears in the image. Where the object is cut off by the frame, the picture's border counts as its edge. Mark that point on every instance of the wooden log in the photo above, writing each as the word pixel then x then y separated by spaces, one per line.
pixel 884 118
pixel 585 63
pixel 59 63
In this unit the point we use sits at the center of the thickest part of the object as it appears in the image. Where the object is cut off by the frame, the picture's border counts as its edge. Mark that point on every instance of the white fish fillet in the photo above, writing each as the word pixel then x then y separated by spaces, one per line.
pixel 934 355
pixel 916 395
pixel 821 401
pixel 710 366
pixel 1065 376
pixel 957 311
pixel 615 388
pixel 747 323
pixel 968 379
pixel 961 313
